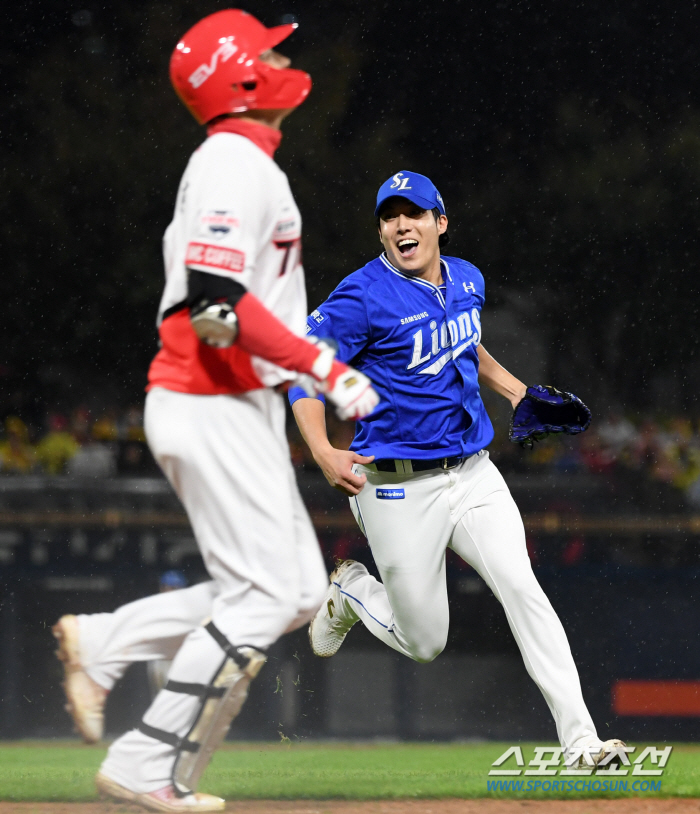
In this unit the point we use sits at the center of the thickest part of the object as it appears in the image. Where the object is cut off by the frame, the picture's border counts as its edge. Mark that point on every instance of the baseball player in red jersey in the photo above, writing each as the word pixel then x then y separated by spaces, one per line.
pixel 230 324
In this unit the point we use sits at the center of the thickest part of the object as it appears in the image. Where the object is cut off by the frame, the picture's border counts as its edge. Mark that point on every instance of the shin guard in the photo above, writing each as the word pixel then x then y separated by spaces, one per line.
pixel 221 701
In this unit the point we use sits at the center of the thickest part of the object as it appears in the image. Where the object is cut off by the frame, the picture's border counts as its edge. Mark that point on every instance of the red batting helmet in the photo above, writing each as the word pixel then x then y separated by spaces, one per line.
pixel 215 67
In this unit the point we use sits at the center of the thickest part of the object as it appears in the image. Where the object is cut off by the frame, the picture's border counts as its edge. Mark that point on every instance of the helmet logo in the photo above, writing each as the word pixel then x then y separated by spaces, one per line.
pixel 399 181
pixel 200 76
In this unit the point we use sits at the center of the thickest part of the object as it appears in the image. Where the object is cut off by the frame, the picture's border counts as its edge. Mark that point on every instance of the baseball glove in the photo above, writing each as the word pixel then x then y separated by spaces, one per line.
pixel 544 411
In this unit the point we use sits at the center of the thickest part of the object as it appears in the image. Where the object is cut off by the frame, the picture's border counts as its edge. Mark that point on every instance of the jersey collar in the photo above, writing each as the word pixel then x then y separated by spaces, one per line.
pixel 266 138
pixel 416 280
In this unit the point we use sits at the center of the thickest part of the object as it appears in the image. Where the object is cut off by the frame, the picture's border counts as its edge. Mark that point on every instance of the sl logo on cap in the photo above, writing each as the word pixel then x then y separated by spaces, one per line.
pixel 400 182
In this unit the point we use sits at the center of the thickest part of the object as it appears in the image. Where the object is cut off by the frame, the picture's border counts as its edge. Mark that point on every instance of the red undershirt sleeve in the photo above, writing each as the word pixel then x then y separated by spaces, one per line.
pixel 261 334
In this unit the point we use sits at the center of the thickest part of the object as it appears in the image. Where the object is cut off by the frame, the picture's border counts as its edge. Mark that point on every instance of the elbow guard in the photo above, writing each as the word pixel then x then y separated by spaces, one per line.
pixel 215 323
pixel 212 301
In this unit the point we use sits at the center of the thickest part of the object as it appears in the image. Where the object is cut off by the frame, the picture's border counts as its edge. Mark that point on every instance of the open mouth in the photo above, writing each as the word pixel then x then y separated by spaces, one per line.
pixel 407 247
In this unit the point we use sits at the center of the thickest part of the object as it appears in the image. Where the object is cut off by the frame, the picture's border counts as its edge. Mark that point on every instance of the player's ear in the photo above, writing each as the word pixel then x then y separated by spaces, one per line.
pixel 442 224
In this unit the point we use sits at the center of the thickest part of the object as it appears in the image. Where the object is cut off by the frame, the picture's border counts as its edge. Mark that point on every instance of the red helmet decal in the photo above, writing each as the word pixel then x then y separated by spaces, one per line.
pixel 223 53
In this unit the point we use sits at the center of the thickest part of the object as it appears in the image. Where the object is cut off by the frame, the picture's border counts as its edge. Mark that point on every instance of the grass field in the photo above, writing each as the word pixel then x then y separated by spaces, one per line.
pixel 63 771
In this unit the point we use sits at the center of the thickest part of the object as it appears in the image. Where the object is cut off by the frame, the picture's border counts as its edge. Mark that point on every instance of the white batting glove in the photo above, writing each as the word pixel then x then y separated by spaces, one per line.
pixel 352 394
pixel 350 391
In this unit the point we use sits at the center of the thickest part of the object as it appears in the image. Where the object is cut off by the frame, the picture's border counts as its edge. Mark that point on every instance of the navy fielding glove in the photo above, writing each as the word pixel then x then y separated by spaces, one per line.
pixel 544 411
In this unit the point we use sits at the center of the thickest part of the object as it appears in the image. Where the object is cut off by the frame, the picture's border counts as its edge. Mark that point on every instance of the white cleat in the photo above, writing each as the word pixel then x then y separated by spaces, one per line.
pixel 596 751
pixel 606 749
pixel 335 617
pixel 85 698
pixel 164 799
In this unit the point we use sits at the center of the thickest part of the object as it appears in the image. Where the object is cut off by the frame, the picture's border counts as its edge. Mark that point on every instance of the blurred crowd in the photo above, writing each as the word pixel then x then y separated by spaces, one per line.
pixel 79 444
pixel 664 453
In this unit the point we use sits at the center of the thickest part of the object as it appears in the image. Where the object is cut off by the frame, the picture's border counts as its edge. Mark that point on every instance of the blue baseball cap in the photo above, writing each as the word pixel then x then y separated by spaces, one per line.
pixel 417 188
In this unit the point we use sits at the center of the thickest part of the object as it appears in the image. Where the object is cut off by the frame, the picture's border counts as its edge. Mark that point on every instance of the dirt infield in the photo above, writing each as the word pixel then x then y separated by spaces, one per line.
pixel 625 806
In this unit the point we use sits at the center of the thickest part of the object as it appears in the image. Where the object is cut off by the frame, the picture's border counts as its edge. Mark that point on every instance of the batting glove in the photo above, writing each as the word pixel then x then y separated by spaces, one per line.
pixel 350 391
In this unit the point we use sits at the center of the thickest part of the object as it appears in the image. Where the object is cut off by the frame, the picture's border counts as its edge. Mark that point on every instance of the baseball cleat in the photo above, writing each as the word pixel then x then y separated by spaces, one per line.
pixel 596 750
pixel 164 799
pixel 606 749
pixel 335 617
pixel 85 698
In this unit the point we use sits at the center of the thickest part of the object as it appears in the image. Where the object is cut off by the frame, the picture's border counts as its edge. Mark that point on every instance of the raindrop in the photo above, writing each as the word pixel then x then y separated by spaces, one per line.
pixel 94 45
pixel 81 18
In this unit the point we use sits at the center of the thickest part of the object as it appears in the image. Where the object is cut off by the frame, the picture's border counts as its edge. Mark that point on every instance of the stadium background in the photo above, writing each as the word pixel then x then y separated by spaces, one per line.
pixel 566 143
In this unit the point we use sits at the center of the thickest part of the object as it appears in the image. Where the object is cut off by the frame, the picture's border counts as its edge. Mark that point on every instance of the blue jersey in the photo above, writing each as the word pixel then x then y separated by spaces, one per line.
pixel 418 344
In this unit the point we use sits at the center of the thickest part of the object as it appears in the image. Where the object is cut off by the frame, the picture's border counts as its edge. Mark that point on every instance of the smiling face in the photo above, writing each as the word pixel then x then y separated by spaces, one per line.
pixel 410 237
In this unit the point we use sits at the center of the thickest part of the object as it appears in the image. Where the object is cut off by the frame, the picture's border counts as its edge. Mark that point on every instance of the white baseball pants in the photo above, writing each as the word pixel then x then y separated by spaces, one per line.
pixel 409 521
pixel 228 460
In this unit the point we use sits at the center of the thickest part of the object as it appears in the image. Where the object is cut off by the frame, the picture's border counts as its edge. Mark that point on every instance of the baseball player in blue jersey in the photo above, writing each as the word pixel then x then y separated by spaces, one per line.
pixel 417 473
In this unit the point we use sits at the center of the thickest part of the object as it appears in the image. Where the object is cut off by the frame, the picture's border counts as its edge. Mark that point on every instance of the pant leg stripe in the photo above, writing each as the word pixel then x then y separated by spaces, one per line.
pixel 355 599
pixel 363 527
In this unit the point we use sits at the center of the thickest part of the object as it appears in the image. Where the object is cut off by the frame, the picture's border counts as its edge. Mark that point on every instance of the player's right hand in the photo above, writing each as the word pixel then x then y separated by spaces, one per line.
pixel 350 391
pixel 337 467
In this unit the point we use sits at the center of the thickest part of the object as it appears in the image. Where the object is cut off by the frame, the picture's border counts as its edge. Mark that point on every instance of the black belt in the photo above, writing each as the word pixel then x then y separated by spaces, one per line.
pixel 416 466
